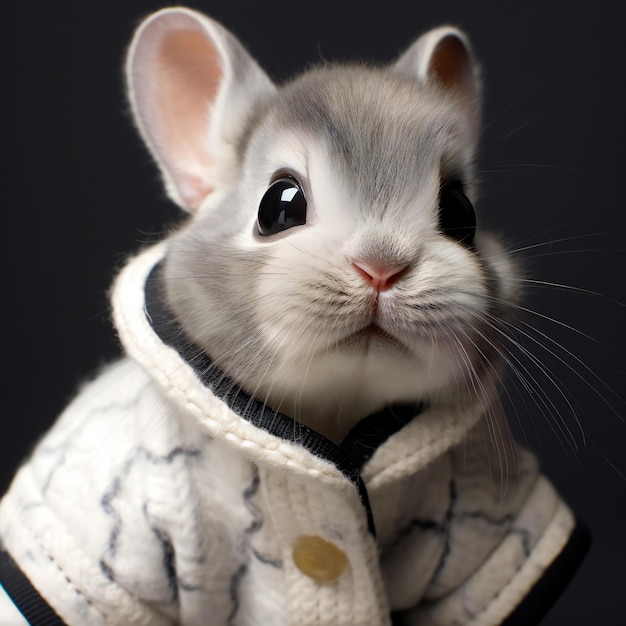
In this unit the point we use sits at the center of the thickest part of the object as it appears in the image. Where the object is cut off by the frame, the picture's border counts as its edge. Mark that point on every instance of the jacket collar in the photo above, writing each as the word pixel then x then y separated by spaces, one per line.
pixel 358 446
pixel 349 456
pixel 382 449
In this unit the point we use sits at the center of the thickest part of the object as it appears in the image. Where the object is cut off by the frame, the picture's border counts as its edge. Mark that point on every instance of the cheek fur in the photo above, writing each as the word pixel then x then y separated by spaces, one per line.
pixel 310 303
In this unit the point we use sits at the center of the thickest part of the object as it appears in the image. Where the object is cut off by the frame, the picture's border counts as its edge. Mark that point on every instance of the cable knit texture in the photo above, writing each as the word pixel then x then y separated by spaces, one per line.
pixel 151 502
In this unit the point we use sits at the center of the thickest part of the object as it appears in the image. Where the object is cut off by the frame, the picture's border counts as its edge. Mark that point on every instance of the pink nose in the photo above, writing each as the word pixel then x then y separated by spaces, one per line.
pixel 380 278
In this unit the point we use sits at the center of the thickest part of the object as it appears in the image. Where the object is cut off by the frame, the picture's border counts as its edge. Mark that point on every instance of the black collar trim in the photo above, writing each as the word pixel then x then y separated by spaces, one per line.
pixel 24 596
pixel 358 446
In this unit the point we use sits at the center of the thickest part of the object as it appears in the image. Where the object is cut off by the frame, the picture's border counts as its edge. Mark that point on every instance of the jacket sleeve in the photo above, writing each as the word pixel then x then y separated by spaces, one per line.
pixel 60 520
pixel 507 556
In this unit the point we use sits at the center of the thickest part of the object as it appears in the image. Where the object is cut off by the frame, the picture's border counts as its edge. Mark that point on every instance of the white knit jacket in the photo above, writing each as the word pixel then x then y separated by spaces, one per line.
pixel 160 498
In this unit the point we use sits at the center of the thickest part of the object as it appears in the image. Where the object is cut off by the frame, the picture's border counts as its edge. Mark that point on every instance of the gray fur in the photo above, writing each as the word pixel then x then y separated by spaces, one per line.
pixel 383 130
pixel 282 315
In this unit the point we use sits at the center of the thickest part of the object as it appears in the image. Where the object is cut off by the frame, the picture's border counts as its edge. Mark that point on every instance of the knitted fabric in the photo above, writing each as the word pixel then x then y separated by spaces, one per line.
pixel 151 501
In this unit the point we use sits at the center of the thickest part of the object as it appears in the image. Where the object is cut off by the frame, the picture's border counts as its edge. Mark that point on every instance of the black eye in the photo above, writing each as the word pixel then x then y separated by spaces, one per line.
pixel 283 206
pixel 457 219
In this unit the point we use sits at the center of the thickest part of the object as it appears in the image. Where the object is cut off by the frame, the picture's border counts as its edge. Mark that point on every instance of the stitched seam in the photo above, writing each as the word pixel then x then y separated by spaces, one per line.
pixel 409 459
pixel 70 584
pixel 459 428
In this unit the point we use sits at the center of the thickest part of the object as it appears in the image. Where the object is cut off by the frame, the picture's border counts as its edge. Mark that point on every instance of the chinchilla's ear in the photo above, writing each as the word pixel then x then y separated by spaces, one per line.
pixel 444 57
pixel 192 88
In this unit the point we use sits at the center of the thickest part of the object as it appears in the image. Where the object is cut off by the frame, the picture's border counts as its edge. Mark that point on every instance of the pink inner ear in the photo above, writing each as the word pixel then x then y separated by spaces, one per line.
pixel 450 64
pixel 188 75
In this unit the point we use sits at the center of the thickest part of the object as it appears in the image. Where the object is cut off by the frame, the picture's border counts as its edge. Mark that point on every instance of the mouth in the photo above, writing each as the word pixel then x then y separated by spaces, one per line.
pixel 374 331
pixel 370 336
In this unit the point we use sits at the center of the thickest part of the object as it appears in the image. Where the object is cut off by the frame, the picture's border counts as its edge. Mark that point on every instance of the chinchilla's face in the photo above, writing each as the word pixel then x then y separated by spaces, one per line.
pixel 333 264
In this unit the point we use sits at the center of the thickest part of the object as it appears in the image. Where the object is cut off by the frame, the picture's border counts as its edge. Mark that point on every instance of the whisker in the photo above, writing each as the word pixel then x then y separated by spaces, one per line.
pixel 548 79
pixel 577 251
pixel 574 288
pixel 552 409
pixel 573 369
pixel 608 461
pixel 552 242
pixel 564 349
pixel 520 377
pixel 487 399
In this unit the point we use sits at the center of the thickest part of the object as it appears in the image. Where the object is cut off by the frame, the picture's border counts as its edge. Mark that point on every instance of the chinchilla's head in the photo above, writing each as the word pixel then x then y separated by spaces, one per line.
pixel 332 263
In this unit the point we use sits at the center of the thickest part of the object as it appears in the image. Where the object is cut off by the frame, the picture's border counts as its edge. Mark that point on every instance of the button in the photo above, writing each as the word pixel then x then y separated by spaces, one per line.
pixel 318 559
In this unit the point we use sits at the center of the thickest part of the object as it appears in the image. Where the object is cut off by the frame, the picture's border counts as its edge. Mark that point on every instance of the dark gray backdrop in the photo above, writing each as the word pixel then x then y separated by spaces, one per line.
pixel 79 192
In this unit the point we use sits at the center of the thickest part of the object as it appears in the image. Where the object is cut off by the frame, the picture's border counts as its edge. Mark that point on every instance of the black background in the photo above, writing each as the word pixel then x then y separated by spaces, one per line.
pixel 79 192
